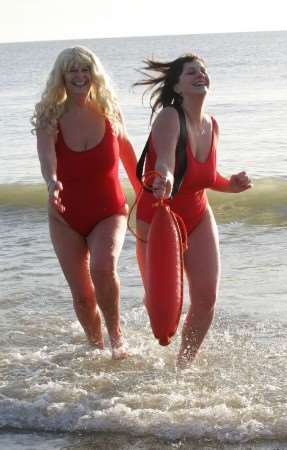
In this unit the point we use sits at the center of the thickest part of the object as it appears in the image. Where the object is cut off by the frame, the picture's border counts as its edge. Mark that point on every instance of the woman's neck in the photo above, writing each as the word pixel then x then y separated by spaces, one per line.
pixel 194 108
pixel 77 102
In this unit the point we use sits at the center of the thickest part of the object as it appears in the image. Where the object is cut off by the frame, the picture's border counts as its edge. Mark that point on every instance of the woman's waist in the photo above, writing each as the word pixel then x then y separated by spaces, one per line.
pixel 88 172
pixel 83 180
pixel 184 198
pixel 75 189
pixel 191 208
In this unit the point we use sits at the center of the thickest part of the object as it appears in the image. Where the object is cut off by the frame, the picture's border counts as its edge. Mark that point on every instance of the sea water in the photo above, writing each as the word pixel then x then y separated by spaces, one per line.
pixel 56 392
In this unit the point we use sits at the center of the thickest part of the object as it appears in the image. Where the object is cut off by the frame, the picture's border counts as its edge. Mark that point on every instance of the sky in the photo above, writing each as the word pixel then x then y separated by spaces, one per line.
pixel 38 20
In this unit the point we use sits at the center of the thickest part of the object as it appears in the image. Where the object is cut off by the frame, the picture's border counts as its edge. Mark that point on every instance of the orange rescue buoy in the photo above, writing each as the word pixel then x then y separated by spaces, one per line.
pixel 166 242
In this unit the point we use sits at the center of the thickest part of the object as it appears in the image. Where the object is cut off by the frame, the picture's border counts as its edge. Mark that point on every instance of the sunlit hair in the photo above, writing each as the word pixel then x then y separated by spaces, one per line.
pixel 52 104
pixel 162 85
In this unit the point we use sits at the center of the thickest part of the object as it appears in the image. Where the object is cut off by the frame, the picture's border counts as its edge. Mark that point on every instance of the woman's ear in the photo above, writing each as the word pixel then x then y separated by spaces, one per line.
pixel 176 89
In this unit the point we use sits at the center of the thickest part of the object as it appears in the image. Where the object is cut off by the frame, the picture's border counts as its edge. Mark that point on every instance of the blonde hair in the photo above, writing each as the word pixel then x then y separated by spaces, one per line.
pixel 52 104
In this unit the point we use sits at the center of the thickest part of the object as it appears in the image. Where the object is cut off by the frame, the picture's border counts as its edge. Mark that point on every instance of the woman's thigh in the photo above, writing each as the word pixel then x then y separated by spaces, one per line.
pixel 73 254
pixel 105 242
pixel 202 261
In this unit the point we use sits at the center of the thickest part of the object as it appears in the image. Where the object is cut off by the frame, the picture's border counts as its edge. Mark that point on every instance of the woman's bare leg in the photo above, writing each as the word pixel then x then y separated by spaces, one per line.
pixel 73 254
pixel 105 243
pixel 202 266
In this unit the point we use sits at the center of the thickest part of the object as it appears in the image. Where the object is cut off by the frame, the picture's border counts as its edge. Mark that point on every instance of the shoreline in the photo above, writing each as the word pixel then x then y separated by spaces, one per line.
pixel 32 440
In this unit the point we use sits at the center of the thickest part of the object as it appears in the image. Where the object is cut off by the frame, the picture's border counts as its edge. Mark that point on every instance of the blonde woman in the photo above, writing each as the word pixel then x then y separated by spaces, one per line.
pixel 80 138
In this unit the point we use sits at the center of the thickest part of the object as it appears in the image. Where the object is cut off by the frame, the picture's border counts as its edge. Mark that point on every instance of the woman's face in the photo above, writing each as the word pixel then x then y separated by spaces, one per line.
pixel 193 79
pixel 78 80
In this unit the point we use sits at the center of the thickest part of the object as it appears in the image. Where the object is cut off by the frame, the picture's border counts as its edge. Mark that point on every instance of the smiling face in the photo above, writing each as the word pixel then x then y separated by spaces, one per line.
pixel 193 80
pixel 78 79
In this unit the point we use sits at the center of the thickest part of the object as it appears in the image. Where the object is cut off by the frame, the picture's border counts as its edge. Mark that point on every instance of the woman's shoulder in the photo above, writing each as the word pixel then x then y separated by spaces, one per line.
pixel 167 117
pixel 214 124
pixel 168 112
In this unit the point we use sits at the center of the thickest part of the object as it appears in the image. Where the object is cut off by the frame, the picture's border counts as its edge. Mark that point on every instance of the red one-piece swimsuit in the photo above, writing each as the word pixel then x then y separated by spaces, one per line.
pixel 191 200
pixel 91 187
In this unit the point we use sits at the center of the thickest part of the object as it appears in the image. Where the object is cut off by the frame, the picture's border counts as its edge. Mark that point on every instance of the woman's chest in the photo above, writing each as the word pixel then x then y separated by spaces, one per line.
pixel 200 175
pixel 82 134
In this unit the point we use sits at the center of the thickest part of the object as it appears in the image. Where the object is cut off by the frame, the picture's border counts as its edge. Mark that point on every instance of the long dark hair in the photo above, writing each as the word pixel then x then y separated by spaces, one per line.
pixel 162 86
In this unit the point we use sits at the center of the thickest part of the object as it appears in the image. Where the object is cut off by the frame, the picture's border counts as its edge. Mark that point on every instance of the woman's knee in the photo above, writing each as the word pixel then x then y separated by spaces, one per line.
pixel 105 275
pixel 203 303
pixel 104 262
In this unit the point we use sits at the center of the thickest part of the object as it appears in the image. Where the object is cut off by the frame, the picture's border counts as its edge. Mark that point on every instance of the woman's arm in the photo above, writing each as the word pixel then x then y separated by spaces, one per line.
pixel 48 163
pixel 236 183
pixel 129 160
pixel 165 133
pixel 127 155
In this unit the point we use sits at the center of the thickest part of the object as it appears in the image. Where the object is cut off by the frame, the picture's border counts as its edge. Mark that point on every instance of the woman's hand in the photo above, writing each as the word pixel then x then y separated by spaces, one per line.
pixel 162 186
pixel 240 182
pixel 54 189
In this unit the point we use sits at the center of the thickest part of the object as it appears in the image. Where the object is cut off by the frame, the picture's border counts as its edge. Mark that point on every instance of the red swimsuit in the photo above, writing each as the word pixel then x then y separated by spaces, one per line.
pixel 91 187
pixel 191 200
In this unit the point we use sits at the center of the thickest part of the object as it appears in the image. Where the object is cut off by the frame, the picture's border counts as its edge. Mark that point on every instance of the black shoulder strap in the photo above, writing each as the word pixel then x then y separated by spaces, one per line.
pixel 181 159
pixel 141 161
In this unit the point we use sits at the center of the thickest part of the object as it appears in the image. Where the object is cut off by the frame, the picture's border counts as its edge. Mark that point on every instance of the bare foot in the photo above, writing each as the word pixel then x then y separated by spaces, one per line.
pixel 185 358
pixel 97 343
pixel 182 362
pixel 118 349
pixel 94 332
pixel 119 353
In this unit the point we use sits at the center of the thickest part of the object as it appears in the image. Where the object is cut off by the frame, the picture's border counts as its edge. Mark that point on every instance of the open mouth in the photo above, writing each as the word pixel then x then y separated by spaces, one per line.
pixel 79 83
pixel 200 84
